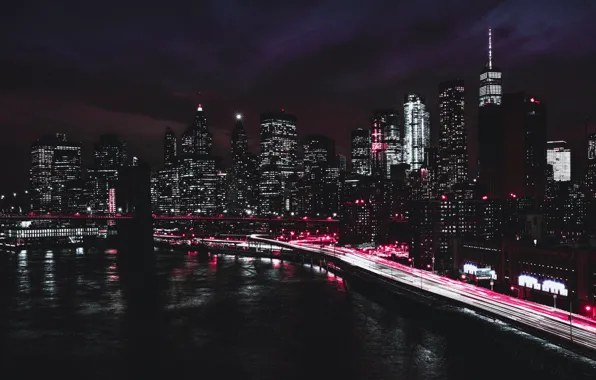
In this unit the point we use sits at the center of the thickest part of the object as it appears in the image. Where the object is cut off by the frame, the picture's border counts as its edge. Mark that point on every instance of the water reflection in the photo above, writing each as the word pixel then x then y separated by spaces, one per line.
pixel 22 275
pixel 49 280
pixel 235 317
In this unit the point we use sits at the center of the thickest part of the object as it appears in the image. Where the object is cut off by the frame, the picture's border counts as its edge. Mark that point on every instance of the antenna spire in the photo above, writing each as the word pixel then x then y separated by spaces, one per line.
pixel 490 48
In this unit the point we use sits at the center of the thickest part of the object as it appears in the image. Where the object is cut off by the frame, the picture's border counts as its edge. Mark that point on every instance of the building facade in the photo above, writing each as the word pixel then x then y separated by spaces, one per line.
pixel 416 130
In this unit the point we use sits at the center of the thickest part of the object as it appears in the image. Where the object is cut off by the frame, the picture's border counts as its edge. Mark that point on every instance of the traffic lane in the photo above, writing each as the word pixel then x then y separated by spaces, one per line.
pixel 366 260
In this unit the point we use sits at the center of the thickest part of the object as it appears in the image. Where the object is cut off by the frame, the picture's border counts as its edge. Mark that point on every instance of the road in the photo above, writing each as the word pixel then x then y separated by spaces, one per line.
pixel 581 331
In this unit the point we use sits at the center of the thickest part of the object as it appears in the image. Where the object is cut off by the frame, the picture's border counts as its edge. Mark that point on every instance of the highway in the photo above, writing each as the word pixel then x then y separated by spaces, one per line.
pixel 581 331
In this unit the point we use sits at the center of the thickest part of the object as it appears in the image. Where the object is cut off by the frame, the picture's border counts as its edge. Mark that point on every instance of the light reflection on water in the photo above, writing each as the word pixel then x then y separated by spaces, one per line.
pixel 236 317
pixel 49 280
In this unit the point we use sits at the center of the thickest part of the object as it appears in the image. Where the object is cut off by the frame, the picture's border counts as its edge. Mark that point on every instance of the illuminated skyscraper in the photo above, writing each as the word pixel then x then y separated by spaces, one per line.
pixel 165 183
pixel 361 151
pixel 491 137
pixel 197 139
pixel 277 161
pixel 416 130
pixel 378 149
pixel 197 172
pixel 110 156
pixel 590 185
pixel 535 147
pixel 110 152
pixel 389 132
pixel 490 79
pixel 241 178
pixel 318 188
pixel 55 165
pixel 453 144
pixel 559 156
pixel 591 168
pixel 170 147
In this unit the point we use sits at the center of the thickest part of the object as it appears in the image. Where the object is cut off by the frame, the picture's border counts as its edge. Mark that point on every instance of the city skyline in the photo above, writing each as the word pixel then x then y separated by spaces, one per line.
pixel 56 95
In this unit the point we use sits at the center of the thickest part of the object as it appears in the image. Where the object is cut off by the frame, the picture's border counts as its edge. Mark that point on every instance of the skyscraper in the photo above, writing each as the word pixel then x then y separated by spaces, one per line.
pixel 590 185
pixel 165 183
pixel 591 168
pixel 110 155
pixel 453 144
pixel 416 130
pixel 342 164
pixel 241 186
pixel 197 139
pixel 378 149
pixel 319 154
pixel 55 165
pixel 559 156
pixel 491 139
pixel 361 151
pixel 318 189
pixel 277 161
pixel 170 147
pixel 490 79
pixel 197 173
pixel 535 148
pixel 389 132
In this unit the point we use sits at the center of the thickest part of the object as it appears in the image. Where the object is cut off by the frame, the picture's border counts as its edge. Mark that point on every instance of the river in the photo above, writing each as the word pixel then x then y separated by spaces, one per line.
pixel 74 314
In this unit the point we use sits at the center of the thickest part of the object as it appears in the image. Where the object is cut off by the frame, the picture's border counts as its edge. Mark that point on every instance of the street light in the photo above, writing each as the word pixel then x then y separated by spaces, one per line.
pixel 433 260
pixel 555 301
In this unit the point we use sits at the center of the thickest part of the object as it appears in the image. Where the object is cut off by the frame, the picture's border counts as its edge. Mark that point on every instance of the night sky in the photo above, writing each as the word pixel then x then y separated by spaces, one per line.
pixel 134 69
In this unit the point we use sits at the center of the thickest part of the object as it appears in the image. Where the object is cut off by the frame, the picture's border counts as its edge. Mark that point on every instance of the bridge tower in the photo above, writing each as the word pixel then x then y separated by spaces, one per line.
pixel 135 235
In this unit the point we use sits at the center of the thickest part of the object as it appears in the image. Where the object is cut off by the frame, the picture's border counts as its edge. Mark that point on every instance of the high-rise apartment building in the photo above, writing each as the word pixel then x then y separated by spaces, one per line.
pixel 453 143
pixel 416 130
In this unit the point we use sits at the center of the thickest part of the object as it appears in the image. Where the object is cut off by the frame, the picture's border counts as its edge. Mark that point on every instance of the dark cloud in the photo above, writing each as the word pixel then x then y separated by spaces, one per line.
pixel 134 67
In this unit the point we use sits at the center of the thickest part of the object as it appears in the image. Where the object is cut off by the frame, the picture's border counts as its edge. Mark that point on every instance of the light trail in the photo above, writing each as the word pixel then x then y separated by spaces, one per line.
pixel 581 330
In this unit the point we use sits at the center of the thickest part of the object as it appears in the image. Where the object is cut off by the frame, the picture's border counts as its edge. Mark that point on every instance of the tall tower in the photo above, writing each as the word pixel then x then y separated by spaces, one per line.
pixel 360 152
pixel 166 182
pixel 197 139
pixel 197 173
pixel 453 144
pixel 378 148
pixel 241 184
pixel 277 161
pixel 491 141
pixel 591 168
pixel 416 130
pixel 170 147
pixel 590 185
pixel 388 120
pixel 490 79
